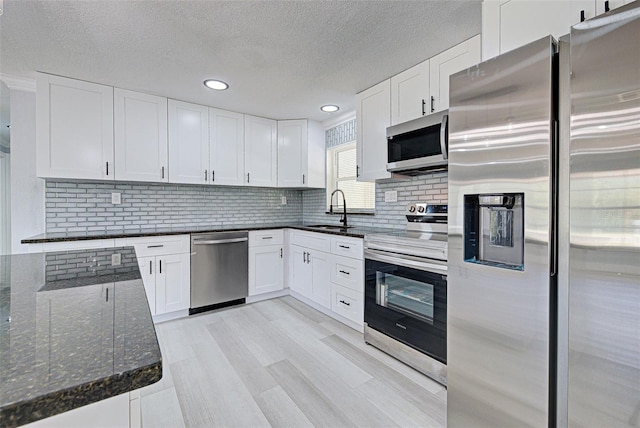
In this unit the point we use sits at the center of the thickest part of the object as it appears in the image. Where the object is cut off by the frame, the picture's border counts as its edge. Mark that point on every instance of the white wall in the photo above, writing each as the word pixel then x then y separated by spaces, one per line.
pixel 27 191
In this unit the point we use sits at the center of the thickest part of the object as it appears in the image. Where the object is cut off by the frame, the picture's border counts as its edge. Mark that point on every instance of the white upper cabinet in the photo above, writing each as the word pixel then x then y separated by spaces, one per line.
pixel 141 149
pixel 509 24
pixel 301 154
pixel 410 93
pixel 74 132
pixel 188 143
pixel 373 116
pixel 226 130
pixel 443 65
pixel 601 5
pixel 261 152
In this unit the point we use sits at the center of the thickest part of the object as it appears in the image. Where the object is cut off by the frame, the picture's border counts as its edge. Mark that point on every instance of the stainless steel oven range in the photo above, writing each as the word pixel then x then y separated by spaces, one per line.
pixel 405 310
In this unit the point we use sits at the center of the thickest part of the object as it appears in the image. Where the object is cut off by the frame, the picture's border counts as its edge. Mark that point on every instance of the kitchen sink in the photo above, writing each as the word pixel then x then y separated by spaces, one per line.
pixel 329 226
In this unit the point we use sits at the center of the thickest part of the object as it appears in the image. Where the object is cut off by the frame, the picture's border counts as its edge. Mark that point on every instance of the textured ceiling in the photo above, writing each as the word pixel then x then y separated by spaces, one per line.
pixel 283 59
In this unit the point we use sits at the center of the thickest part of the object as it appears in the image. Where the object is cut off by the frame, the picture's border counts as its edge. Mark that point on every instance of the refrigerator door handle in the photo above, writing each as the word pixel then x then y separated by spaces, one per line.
pixel 443 137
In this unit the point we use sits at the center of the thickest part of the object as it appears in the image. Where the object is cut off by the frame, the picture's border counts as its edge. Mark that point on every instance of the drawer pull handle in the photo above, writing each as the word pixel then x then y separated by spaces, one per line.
pixel 150 267
pixel 344 246
pixel 345 272
pixel 345 303
pixel 267 237
pixel 155 246
pixel 401 326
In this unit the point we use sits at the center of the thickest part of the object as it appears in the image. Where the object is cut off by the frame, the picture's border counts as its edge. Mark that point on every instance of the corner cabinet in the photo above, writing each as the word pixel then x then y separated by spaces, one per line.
pixel 327 272
pixel 301 154
pixel 373 116
pixel 188 143
pixel 261 152
pixel 74 132
pixel 140 126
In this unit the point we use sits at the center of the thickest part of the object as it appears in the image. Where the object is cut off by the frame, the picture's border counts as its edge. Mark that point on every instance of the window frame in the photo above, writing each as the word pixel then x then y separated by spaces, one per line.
pixel 332 181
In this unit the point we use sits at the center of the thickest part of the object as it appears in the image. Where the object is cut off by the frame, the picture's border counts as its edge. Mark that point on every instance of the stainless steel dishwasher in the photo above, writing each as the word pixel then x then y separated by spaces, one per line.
pixel 219 270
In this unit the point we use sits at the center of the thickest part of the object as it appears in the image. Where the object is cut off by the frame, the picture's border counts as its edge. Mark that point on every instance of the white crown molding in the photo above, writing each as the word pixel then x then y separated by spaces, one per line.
pixel 335 121
pixel 18 83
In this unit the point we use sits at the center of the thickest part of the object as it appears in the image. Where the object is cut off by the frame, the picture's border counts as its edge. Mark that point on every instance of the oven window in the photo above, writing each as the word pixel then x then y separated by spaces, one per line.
pixel 405 295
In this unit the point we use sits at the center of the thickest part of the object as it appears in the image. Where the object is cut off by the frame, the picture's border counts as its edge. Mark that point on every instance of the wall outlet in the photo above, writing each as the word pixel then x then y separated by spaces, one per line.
pixel 116 198
pixel 116 259
pixel 284 200
pixel 391 196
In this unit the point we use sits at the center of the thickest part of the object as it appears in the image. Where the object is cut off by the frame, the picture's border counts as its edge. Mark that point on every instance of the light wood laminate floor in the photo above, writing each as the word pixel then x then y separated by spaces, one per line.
pixel 281 363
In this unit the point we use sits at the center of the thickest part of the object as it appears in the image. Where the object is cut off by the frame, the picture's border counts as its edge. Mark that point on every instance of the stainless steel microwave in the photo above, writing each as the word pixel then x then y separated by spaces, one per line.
pixel 418 145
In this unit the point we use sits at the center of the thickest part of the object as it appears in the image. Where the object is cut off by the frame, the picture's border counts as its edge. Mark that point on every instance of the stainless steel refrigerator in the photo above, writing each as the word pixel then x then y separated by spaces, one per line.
pixel 544 232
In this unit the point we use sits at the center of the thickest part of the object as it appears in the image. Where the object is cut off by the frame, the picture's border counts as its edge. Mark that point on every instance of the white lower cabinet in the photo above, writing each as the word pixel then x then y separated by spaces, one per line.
pixel 328 281
pixel 266 261
pixel 165 267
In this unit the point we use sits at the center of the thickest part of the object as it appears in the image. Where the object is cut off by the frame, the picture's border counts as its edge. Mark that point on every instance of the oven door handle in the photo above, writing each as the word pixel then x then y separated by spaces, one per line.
pixel 406 261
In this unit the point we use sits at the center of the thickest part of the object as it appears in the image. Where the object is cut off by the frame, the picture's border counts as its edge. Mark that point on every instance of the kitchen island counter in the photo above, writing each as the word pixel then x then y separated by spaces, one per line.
pixel 75 328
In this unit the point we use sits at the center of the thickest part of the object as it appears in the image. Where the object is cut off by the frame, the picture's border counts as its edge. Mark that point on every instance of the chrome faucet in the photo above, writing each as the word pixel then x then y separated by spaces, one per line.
pixel 344 212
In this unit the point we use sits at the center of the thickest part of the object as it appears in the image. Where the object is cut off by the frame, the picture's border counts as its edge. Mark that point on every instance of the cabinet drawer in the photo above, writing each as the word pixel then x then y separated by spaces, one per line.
pixel 347 272
pixel 347 303
pixel 349 247
pixel 315 241
pixel 259 238
pixel 160 245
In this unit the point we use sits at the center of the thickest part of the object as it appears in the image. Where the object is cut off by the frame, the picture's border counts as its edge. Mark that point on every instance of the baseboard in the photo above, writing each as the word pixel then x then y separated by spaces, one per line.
pixel 267 296
pixel 170 316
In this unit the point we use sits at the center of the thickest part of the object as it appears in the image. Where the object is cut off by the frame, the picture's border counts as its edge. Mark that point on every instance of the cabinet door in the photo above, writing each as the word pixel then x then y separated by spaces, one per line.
pixel 443 65
pixel 261 151
pixel 321 278
pixel 140 136
pixel 373 116
pixel 173 283
pixel 188 143
pixel 301 271
pixel 266 269
pixel 74 132
pixel 292 153
pixel 524 21
pixel 600 5
pixel 226 130
pixel 148 273
pixel 410 93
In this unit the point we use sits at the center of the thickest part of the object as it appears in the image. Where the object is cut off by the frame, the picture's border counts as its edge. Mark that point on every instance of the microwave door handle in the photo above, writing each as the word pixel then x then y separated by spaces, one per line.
pixel 443 137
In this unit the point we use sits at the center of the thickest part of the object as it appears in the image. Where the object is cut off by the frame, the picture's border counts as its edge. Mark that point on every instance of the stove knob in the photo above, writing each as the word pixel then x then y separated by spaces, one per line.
pixel 421 209
pixel 412 208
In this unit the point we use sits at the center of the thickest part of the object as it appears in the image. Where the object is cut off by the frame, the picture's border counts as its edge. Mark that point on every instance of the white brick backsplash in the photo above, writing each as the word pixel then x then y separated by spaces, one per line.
pixel 431 188
pixel 86 206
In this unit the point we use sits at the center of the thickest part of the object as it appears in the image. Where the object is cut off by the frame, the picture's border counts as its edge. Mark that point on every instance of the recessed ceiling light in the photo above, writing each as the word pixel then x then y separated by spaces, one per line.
pixel 330 108
pixel 218 85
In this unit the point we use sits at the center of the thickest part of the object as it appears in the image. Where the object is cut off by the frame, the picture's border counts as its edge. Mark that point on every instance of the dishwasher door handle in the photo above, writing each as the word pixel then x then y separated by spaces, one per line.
pixel 219 241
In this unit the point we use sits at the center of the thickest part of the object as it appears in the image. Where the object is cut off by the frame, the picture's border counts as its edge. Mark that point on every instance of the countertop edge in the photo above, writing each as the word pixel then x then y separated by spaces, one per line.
pixel 51 404
pixel 337 232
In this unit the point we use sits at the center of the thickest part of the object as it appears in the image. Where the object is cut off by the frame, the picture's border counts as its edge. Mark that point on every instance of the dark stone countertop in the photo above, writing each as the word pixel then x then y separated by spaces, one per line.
pixel 73 330
pixel 356 232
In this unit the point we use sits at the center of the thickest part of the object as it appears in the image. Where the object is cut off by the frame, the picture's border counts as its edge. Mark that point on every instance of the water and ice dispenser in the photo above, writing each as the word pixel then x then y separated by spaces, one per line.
pixel 494 230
